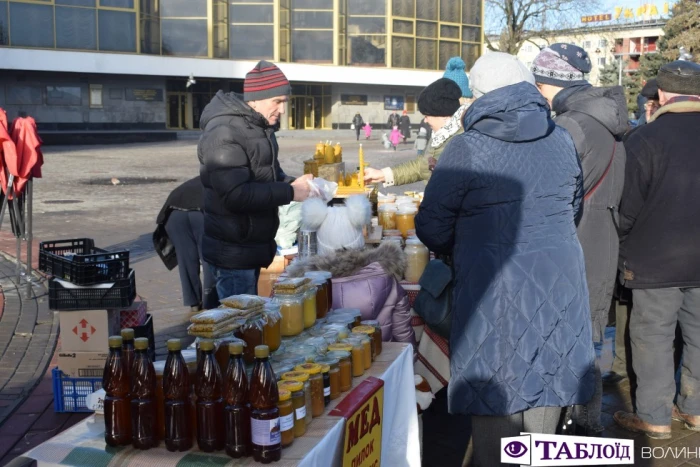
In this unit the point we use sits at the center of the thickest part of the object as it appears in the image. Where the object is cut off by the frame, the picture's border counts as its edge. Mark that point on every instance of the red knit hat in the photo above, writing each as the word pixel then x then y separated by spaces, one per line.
pixel 265 81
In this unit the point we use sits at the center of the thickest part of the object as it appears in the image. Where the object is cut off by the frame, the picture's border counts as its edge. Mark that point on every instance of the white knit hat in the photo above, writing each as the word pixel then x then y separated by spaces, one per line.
pixel 496 70
pixel 337 227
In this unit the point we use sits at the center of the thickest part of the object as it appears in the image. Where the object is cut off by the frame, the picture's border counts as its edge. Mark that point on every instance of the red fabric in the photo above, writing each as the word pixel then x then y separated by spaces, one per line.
pixel 29 159
pixel 7 149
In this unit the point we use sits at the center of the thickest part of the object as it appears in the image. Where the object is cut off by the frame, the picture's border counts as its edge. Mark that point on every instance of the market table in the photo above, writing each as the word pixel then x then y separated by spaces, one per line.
pixel 321 446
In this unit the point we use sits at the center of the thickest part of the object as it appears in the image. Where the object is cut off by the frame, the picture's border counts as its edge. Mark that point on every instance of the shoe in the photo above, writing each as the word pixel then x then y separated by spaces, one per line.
pixel 631 422
pixel 611 378
pixel 195 308
pixel 691 422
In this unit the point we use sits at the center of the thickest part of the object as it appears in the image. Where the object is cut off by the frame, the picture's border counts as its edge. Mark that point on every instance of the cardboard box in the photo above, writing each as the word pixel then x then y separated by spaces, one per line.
pixel 269 276
pixel 82 364
pixel 135 315
pixel 88 330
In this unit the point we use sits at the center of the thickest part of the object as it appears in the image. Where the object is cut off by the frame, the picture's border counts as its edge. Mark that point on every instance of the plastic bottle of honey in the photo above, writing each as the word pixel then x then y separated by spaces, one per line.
pixel 264 413
pixel 128 351
pixel 116 404
pixel 176 390
pixel 210 404
pixel 143 402
pixel 237 413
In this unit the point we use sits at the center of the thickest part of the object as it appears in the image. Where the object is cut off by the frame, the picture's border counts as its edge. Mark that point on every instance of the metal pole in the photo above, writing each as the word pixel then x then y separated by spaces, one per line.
pixel 29 238
pixel 619 83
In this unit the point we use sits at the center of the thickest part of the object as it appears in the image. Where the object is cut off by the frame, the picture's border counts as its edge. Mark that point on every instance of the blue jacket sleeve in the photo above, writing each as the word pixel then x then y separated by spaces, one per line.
pixel 437 218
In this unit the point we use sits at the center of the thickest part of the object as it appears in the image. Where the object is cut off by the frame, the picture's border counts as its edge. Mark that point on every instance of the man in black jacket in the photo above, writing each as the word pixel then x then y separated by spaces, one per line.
pixel 596 118
pixel 660 254
pixel 243 182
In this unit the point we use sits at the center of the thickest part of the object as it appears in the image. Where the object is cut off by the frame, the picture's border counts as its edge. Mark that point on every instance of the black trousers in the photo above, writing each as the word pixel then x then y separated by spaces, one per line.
pixel 445 436
pixel 186 230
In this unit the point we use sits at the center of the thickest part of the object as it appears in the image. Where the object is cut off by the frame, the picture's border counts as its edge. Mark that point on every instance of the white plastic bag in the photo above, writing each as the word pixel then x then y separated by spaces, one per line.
pixel 322 189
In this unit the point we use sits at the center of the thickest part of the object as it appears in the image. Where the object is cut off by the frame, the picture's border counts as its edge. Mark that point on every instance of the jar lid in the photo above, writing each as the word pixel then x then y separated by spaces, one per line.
pixel 408 208
pixel 319 343
pixel 370 322
pixel 293 386
pixel 364 329
pixel 340 346
pixel 141 343
pixel 296 376
pixel 339 354
pixel 325 368
pixel 174 345
pixel 115 342
pixel 289 298
pixel 310 368
pixel 413 241
pixel 127 334
pixel 354 312
pixel 285 395
pixel 341 318
pixel 360 336
pixel 302 349
pixel 293 361
pixel 388 207
pixel 262 351
pixel 331 337
pixel 331 361
pixel 353 341
pixel 159 366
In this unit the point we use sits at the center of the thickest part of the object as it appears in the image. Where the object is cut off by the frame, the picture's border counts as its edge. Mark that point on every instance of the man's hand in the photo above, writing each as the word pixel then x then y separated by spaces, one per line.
pixel 301 187
pixel 374 175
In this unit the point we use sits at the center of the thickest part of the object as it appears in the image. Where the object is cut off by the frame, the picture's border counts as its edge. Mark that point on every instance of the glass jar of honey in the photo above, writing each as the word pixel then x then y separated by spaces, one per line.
pixel 417 257
pixel 333 387
pixel 292 311
pixel 286 409
pixel 405 218
pixel 377 336
pixel 303 378
pixel 272 331
pixel 344 369
pixel 370 332
pixel 387 216
pixel 341 319
pixel 298 404
pixel 252 334
pixel 316 383
pixel 310 309
pixel 353 312
pixel 358 356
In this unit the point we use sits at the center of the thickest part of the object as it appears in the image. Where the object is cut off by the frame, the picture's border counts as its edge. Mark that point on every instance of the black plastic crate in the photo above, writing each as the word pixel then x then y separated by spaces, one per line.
pixel 146 330
pixel 87 264
pixel 119 295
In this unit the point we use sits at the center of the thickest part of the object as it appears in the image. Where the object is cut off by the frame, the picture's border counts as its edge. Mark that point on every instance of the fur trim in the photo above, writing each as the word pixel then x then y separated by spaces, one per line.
pixel 313 212
pixel 346 263
pixel 359 210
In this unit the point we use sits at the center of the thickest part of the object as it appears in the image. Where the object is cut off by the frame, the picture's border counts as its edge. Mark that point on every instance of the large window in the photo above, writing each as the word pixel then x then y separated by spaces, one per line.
pixel 31 25
pixel 252 30
pixel 64 95
pixel 312 31
pixel 18 94
pixel 117 30
pixel 4 24
pixel 76 28
pixel 366 33
pixel 183 28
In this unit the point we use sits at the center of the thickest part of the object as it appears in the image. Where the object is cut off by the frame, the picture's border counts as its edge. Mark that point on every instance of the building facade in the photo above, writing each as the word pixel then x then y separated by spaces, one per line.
pixel 84 65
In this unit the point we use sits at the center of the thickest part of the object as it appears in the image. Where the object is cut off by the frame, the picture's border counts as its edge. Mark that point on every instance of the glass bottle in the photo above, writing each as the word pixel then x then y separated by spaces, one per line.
pixel 237 412
pixel 116 404
pixel 143 402
pixel 264 414
pixel 210 404
pixel 176 391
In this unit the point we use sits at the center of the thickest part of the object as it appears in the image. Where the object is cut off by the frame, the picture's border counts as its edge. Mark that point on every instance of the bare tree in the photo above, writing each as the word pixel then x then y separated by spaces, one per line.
pixel 520 21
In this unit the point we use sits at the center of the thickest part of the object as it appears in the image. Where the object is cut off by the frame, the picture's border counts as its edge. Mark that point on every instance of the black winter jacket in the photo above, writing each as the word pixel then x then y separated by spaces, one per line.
pixel 186 197
pixel 596 118
pixel 659 221
pixel 243 184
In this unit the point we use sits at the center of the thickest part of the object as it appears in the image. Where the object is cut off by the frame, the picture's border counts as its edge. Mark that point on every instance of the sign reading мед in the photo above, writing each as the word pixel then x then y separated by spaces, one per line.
pixel 363 410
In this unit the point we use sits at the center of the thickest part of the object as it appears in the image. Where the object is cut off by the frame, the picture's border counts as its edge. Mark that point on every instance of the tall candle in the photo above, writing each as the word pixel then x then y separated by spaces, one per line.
pixel 361 174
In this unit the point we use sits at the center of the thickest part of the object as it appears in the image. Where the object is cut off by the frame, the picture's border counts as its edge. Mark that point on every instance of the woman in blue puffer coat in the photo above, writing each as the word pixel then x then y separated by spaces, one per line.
pixel 503 201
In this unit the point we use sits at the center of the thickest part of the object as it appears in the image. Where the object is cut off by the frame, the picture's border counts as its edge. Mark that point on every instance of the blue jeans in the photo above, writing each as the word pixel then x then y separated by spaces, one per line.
pixel 235 281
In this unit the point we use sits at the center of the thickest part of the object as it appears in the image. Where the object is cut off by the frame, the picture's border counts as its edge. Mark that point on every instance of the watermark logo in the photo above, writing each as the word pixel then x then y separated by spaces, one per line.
pixel 534 449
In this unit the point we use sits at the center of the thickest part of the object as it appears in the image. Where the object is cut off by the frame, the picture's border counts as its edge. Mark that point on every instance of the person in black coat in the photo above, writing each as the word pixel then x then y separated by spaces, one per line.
pixel 405 126
pixel 660 254
pixel 358 122
pixel 243 182
pixel 178 241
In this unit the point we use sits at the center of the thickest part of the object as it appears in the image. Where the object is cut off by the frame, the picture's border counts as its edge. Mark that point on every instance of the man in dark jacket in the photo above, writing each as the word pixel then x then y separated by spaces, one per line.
pixel 394 120
pixel 596 118
pixel 243 182
pixel 178 241
pixel 502 202
pixel 358 123
pixel 405 126
pixel 660 254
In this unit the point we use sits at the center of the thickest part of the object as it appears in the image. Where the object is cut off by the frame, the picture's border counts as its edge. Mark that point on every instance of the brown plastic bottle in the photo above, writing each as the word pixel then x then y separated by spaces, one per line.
pixel 210 404
pixel 116 404
pixel 176 388
pixel 128 350
pixel 143 398
pixel 266 437
pixel 237 412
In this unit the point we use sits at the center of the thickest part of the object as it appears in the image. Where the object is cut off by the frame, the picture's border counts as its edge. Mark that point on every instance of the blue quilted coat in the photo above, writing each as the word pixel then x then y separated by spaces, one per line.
pixel 502 201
